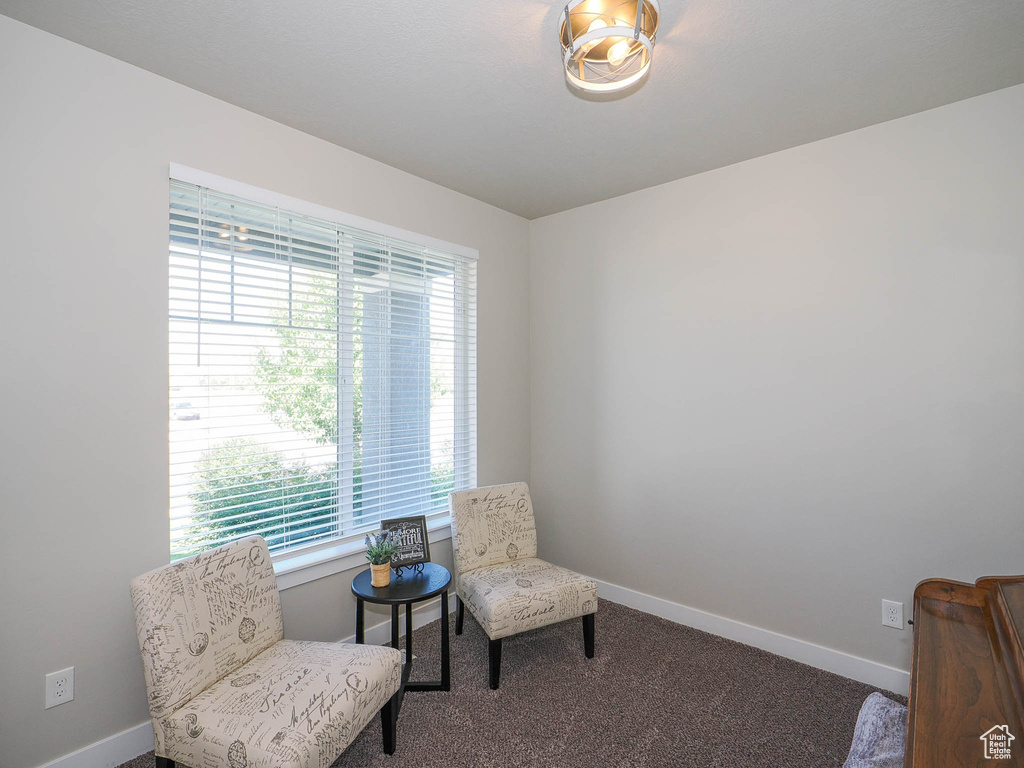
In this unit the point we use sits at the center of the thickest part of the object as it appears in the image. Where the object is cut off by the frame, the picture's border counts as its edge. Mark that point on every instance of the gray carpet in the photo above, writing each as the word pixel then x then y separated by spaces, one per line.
pixel 656 695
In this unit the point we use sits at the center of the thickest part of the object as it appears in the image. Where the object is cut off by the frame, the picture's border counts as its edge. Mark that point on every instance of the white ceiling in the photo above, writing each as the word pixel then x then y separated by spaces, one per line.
pixel 470 94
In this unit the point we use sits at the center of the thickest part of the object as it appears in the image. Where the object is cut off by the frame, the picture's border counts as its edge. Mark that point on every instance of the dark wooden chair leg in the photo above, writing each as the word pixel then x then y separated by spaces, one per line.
pixel 460 615
pixel 389 725
pixel 588 635
pixel 494 651
pixel 446 662
pixel 163 762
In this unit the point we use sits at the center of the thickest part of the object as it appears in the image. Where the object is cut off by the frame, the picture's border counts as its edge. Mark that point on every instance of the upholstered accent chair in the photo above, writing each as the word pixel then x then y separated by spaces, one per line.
pixel 226 689
pixel 499 577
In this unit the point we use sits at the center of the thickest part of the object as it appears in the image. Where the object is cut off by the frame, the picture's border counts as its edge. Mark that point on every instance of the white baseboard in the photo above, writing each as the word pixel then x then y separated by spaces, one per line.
pixel 870 672
pixel 111 751
pixel 126 745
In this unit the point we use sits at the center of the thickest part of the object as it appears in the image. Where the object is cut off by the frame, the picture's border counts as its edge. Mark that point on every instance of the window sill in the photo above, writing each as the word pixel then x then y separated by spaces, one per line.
pixel 301 567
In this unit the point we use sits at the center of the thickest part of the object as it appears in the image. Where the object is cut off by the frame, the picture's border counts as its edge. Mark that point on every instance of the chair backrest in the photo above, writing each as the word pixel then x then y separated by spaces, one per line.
pixel 201 618
pixel 491 526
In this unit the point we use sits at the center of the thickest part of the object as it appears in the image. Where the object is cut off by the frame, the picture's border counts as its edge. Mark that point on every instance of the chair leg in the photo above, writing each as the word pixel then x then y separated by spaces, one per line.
pixel 163 762
pixel 460 615
pixel 389 725
pixel 494 651
pixel 588 635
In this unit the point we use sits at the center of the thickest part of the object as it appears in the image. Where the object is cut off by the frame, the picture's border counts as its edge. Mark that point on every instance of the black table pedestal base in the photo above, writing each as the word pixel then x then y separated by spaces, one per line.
pixel 405 593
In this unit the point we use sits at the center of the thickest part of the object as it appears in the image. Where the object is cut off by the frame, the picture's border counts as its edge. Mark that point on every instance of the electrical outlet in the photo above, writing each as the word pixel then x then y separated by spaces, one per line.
pixel 60 687
pixel 892 614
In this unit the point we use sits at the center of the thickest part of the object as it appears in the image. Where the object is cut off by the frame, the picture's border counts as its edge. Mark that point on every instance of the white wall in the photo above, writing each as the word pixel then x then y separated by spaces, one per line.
pixel 85 143
pixel 777 392
pixel 784 390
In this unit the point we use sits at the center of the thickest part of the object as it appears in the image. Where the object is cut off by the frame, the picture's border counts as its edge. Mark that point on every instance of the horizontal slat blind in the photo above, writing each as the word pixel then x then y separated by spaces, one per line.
pixel 321 377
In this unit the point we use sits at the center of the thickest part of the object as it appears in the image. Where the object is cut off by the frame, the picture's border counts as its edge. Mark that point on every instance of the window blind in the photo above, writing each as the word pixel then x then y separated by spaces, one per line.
pixel 322 377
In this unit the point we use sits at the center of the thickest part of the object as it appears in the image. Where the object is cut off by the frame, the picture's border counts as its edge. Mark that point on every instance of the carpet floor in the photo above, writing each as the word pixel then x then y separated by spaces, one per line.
pixel 656 695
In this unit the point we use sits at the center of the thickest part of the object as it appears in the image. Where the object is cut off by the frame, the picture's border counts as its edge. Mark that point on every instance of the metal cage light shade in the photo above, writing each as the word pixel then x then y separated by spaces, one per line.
pixel 607 45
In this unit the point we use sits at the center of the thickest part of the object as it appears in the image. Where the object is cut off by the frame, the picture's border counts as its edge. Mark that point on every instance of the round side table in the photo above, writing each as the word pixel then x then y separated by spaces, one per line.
pixel 409 588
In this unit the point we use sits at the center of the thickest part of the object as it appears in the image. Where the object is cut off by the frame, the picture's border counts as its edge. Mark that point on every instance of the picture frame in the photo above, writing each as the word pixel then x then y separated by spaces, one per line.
pixel 409 535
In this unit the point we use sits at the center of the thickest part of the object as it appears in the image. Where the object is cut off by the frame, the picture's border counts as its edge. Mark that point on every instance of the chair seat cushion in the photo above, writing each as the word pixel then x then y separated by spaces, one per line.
pixel 525 594
pixel 298 704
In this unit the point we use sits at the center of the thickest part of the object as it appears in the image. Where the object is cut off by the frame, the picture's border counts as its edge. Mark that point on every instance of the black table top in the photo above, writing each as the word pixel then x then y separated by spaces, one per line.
pixel 407 588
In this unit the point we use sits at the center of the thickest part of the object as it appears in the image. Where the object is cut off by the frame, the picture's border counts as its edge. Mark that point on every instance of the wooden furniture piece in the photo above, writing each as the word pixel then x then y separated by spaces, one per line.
pixel 968 672
pixel 413 586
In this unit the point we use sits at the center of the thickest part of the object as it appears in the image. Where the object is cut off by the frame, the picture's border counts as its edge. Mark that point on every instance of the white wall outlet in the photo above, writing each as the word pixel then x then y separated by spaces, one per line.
pixel 60 687
pixel 892 614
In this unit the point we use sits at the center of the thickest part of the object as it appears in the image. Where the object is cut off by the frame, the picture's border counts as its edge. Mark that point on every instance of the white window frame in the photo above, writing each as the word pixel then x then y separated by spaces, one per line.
pixel 346 553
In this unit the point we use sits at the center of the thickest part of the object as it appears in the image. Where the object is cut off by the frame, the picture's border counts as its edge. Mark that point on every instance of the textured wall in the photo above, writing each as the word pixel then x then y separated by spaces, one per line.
pixel 784 390
pixel 85 143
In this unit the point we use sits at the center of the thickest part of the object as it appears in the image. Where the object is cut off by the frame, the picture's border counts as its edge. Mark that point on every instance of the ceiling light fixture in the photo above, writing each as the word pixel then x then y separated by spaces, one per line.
pixel 607 45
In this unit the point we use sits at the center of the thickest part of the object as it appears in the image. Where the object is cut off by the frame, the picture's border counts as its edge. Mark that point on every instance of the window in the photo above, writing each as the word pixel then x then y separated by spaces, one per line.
pixel 322 377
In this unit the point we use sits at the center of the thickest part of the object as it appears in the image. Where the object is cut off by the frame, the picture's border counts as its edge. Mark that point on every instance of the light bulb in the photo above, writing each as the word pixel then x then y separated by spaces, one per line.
pixel 618 52
pixel 597 23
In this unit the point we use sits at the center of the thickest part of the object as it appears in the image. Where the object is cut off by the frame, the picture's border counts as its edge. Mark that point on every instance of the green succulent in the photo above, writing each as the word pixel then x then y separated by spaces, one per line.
pixel 379 548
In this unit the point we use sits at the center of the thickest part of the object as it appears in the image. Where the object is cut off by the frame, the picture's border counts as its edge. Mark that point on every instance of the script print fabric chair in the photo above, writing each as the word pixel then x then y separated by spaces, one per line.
pixel 227 691
pixel 499 577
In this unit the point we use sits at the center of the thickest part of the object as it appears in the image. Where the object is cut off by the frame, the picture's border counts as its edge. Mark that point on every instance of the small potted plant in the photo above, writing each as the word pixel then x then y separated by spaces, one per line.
pixel 379 550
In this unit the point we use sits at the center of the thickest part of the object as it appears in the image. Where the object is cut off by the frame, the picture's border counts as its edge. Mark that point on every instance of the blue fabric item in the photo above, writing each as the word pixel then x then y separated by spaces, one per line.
pixel 880 738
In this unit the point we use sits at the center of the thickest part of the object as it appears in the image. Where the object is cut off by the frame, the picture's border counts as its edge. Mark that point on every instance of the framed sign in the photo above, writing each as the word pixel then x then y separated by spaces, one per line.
pixel 409 534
